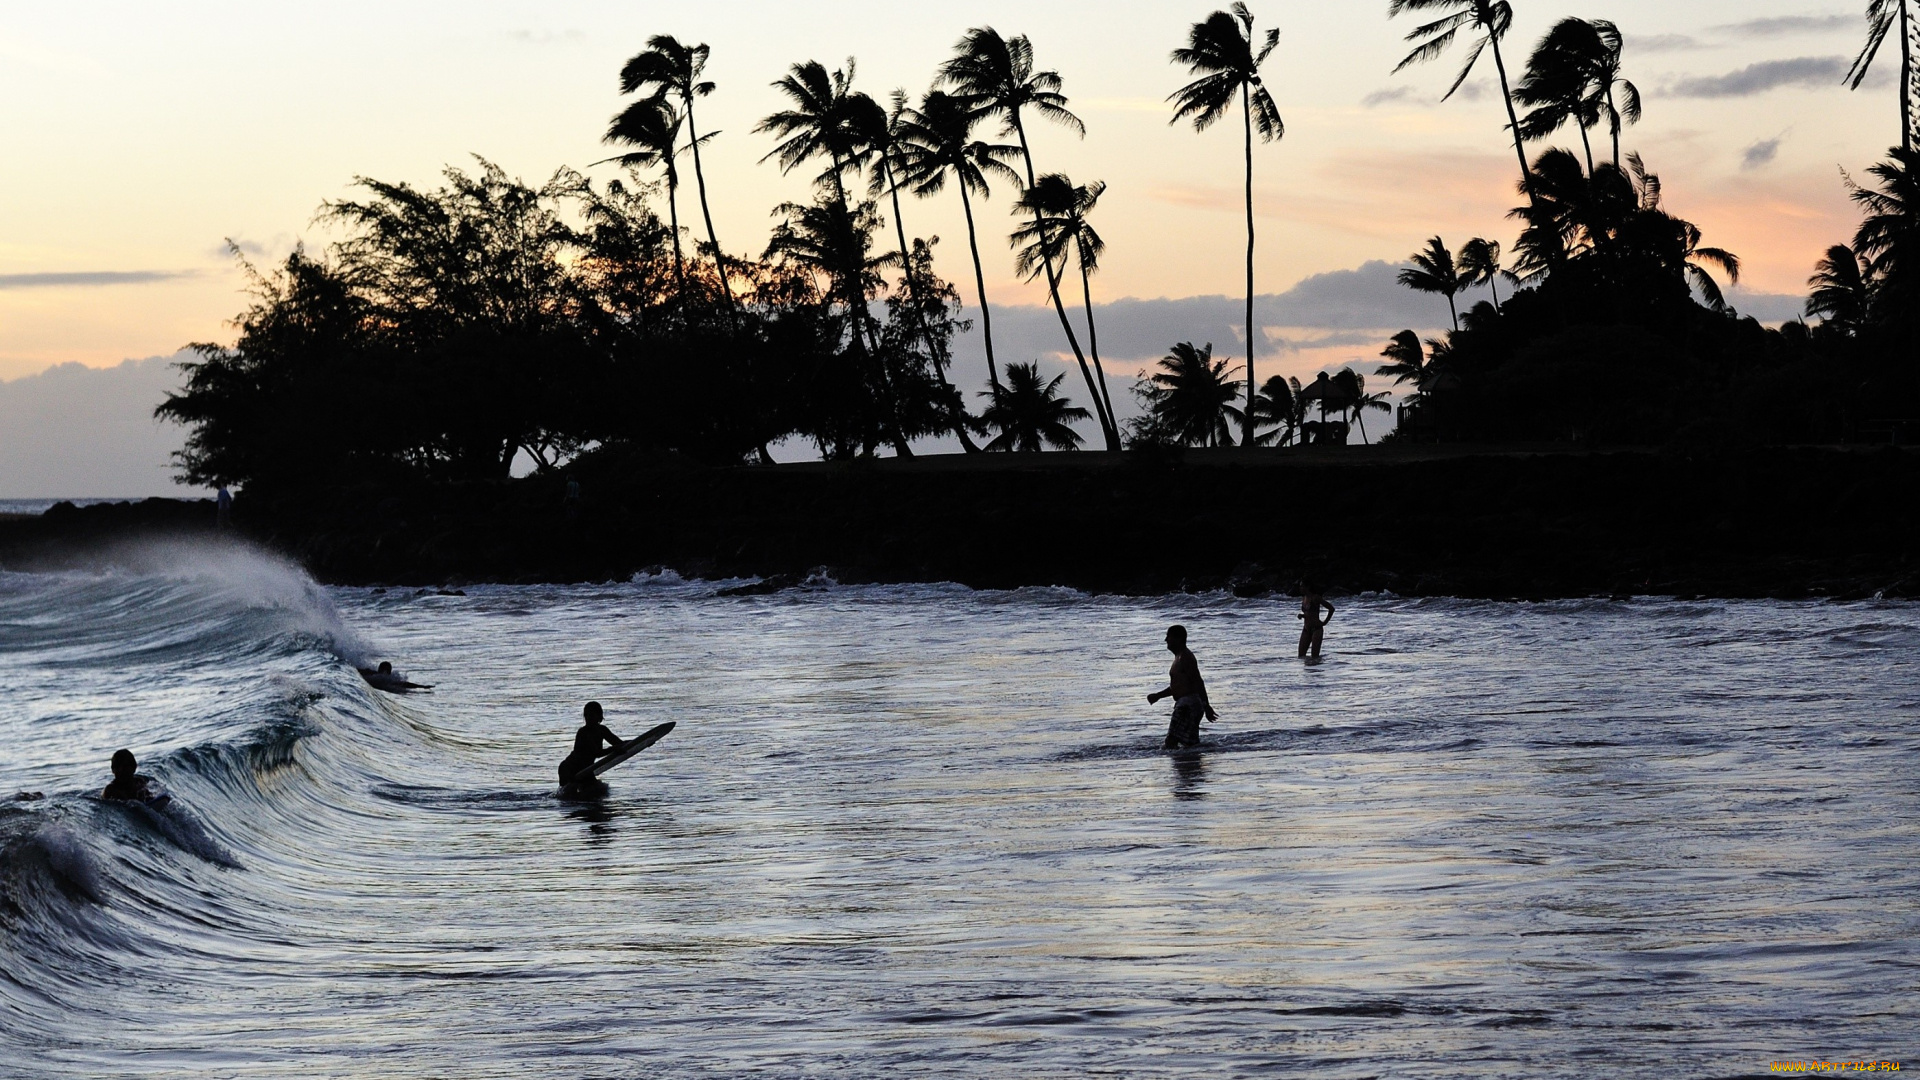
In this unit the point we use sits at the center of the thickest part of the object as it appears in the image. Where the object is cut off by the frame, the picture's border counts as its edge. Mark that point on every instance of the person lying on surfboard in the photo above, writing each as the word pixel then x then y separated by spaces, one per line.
pixel 129 786
pixel 586 746
pixel 1188 692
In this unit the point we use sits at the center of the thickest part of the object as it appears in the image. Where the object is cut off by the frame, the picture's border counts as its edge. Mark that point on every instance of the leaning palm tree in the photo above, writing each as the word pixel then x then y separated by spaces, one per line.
pixel 1434 271
pixel 1884 16
pixel 997 73
pixel 1408 360
pixel 1842 286
pixel 1029 413
pixel 1490 19
pixel 1221 50
pixel 936 140
pixel 667 67
pixel 652 127
pixel 1189 400
pixel 1479 264
pixel 1557 85
pixel 1619 103
pixel 1275 407
pixel 1355 401
pixel 1060 228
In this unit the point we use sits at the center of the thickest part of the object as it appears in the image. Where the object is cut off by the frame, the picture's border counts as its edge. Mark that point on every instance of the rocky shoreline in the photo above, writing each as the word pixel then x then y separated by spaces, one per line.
pixel 1503 524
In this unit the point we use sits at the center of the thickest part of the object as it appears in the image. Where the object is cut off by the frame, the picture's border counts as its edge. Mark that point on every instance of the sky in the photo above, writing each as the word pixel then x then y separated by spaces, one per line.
pixel 142 139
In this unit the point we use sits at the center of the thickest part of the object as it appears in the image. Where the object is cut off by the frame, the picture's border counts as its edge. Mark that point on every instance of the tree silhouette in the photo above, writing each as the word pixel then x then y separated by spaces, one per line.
pixel 936 140
pixel 997 74
pixel 1479 264
pixel 1884 16
pixel 1842 289
pixel 1889 237
pixel 1277 407
pixel 651 126
pixel 667 67
pixel 1221 51
pixel 1354 400
pixel 1189 399
pixel 1031 414
pixel 879 133
pixel 1572 76
pixel 1408 360
pixel 1433 271
pixel 1060 229
pixel 1491 20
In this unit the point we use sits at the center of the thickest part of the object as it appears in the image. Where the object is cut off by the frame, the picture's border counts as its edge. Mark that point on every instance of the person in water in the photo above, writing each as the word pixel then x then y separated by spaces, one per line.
pixel 1311 603
pixel 128 785
pixel 586 747
pixel 1188 692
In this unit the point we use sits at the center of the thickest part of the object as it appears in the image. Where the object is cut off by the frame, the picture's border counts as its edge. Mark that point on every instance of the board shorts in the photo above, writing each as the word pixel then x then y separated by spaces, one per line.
pixel 1184 729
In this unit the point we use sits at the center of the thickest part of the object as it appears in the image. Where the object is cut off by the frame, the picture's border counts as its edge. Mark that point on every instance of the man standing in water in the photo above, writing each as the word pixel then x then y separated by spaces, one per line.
pixel 1188 692
pixel 586 748
pixel 1310 604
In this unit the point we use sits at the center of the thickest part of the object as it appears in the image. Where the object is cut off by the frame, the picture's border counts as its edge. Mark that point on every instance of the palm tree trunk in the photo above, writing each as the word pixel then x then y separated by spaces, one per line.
pixel 1493 285
pixel 1455 311
pixel 1586 144
pixel 1107 430
pixel 700 181
pixel 1093 340
pixel 1513 118
pixel 679 263
pixel 1613 113
pixel 1246 109
pixel 913 298
pixel 1906 80
pixel 980 287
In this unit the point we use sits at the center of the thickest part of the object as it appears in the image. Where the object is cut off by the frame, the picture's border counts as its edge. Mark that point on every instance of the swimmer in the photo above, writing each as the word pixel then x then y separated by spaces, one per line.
pixel 129 786
pixel 1188 691
pixel 586 748
pixel 1310 604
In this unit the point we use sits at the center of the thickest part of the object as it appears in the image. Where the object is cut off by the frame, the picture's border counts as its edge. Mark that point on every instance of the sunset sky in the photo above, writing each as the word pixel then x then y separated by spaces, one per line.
pixel 141 137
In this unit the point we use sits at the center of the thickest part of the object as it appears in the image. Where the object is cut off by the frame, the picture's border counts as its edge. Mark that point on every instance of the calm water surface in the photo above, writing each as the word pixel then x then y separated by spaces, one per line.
pixel 928 831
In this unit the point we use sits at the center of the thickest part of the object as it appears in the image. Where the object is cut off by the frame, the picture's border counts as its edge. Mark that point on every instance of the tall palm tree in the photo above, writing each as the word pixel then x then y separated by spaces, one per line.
pixel 936 140
pixel 1059 229
pixel 1189 400
pixel 1842 285
pixel 1221 51
pixel 1030 413
pixel 997 73
pixel 1490 19
pixel 651 126
pixel 1434 271
pixel 1574 74
pixel 1889 237
pixel 668 67
pixel 1620 99
pixel 1479 264
pixel 1884 16
pixel 879 133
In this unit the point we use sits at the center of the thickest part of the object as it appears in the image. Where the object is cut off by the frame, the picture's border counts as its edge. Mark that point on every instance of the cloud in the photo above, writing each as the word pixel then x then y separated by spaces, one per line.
pixel 90 278
pixel 1390 96
pixel 1767 307
pixel 1813 72
pixel 1791 24
pixel 81 432
pixel 1761 153
pixel 1659 43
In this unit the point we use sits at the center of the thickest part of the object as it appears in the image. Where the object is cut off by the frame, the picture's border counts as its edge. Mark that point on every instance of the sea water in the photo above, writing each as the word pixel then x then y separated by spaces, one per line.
pixel 928 831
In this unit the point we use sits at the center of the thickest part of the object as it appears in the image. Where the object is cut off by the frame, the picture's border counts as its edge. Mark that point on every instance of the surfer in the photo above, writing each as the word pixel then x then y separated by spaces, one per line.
pixel 586 748
pixel 1188 692
pixel 1314 626
pixel 385 678
pixel 129 786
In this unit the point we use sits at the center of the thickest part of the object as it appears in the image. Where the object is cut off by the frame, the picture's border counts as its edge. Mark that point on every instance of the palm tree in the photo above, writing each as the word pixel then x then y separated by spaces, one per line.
pixel 1491 19
pixel 1882 17
pixel 1842 286
pixel 1275 405
pixel 1409 360
pixel 1621 99
pixel 997 73
pixel 936 140
pixel 1479 264
pixel 1189 400
pixel 879 134
pixel 1889 237
pixel 1059 210
pixel 1433 271
pixel 652 127
pixel 1355 401
pixel 670 68
pixel 1573 75
pixel 1220 49
pixel 1030 413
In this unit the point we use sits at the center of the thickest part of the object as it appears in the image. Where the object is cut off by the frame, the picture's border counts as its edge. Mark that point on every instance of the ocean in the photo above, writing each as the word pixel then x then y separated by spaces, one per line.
pixel 929 831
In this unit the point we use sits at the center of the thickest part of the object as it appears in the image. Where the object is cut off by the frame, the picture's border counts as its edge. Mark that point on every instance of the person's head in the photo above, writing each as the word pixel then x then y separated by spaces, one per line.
pixel 1176 637
pixel 592 712
pixel 386 667
pixel 124 765
pixel 1310 587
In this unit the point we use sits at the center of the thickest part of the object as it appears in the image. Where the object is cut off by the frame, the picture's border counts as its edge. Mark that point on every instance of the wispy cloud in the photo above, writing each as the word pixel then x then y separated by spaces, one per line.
pixel 90 278
pixel 1659 43
pixel 1390 96
pixel 548 37
pixel 1812 72
pixel 1761 153
pixel 1791 24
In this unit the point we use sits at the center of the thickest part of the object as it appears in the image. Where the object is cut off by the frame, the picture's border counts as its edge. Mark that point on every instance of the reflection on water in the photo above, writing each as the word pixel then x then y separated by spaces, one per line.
pixel 925 831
